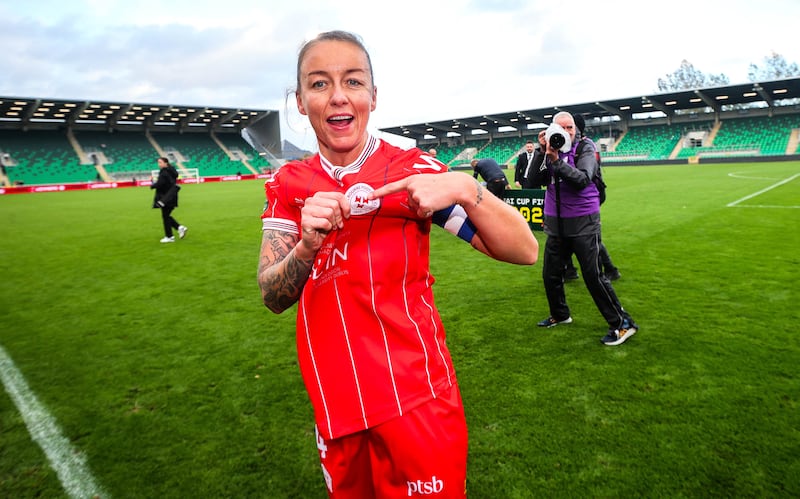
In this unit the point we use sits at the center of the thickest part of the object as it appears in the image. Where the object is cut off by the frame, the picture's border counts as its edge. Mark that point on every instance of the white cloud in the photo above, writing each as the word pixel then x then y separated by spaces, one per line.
pixel 432 60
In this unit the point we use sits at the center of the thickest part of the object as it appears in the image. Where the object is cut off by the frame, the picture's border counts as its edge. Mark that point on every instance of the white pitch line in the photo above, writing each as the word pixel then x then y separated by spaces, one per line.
pixel 68 463
pixel 762 191
pixel 746 177
pixel 770 206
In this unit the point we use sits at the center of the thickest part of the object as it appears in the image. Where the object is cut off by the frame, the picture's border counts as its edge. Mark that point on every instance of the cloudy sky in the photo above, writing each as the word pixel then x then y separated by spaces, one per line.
pixel 433 59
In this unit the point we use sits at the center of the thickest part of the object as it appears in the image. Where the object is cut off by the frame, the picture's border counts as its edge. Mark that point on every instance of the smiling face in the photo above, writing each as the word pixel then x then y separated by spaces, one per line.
pixel 336 93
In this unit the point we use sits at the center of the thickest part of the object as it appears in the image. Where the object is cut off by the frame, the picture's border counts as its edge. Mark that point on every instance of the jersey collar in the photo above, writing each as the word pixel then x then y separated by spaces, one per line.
pixel 338 172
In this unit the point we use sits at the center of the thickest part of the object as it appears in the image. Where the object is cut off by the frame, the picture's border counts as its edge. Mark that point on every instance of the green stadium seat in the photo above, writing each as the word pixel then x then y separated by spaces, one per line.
pixel 750 136
pixel 43 157
pixel 200 151
pixel 234 141
pixel 128 152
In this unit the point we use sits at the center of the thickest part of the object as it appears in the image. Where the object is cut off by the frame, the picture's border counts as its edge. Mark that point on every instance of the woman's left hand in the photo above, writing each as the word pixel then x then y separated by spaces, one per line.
pixel 427 192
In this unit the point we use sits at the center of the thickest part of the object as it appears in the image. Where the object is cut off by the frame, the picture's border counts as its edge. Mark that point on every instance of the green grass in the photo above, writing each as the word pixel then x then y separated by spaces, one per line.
pixel 161 365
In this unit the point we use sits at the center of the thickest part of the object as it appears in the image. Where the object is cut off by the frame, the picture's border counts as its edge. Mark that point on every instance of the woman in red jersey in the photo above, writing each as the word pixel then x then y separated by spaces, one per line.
pixel 346 237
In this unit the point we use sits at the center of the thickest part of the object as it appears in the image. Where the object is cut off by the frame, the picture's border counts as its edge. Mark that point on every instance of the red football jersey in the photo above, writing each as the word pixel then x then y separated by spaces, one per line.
pixel 370 341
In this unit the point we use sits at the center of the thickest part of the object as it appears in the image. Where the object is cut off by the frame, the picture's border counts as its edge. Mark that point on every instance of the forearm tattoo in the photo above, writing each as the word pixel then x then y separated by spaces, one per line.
pixel 281 275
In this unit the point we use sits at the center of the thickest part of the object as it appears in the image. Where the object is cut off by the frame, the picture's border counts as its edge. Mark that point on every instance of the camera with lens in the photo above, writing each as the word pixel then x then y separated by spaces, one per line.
pixel 557 137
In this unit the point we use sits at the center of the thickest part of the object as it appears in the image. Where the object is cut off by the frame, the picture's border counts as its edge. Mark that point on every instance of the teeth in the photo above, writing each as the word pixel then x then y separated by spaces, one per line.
pixel 339 118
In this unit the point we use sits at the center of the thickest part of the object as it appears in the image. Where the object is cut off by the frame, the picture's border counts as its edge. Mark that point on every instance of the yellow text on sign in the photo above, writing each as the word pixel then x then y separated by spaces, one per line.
pixel 529 203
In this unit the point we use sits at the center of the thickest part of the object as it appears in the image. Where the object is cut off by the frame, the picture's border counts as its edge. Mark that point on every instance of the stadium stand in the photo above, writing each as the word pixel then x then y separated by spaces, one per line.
pixel 42 158
pixel 504 150
pixel 645 129
pixel 56 141
pixel 757 136
pixel 655 142
pixel 49 141
pixel 751 136
pixel 239 148
pixel 53 157
pixel 50 157
pixel 446 153
pixel 195 150
pixel 122 154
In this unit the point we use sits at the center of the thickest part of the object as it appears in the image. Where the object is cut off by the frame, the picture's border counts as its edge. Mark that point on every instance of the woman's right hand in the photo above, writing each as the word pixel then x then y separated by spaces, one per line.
pixel 322 213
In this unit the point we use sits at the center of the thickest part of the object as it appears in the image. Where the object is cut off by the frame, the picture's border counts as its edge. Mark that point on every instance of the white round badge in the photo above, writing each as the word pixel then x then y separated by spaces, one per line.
pixel 358 195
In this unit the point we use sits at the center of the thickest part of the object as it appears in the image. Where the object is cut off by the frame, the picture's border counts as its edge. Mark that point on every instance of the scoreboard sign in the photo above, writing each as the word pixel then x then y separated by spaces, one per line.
pixel 530 204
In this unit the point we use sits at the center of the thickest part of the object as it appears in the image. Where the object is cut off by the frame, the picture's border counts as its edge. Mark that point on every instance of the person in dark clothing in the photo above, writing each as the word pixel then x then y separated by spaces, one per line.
pixel 490 171
pixel 608 267
pixel 524 162
pixel 572 225
pixel 166 198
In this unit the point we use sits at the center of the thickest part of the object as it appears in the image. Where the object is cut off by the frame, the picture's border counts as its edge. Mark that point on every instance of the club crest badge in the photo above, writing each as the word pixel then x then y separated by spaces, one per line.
pixel 360 204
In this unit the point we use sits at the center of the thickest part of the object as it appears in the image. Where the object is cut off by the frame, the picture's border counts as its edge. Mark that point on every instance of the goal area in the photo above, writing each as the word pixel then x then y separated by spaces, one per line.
pixel 187 175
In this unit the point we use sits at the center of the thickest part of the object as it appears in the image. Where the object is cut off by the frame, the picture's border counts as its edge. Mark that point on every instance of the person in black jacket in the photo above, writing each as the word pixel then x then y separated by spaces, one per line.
pixel 490 171
pixel 572 224
pixel 166 198
pixel 611 271
pixel 521 170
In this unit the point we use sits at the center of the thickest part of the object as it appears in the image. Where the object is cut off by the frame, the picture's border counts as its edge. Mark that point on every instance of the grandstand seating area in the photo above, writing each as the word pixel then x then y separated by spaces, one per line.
pixel 446 153
pixel 504 150
pixel 237 146
pixel 197 151
pixel 54 156
pixel 646 143
pixel 119 153
pixel 35 158
pixel 49 157
pixel 760 136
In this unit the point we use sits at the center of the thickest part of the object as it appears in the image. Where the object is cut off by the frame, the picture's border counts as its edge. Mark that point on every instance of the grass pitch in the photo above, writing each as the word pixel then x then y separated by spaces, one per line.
pixel 163 369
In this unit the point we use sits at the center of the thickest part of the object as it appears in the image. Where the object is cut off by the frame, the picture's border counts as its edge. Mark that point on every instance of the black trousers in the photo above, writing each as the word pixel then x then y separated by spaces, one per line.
pixel 497 187
pixel 557 251
pixel 169 222
pixel 605 260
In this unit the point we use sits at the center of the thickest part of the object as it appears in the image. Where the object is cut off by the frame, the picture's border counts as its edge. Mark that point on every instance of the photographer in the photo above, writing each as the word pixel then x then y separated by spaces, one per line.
pixel 572 225
pixel 609 269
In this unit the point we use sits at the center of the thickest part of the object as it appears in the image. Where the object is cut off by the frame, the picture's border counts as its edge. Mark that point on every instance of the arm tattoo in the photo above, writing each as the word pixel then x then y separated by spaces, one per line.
pixel 478 193
pixel 281 275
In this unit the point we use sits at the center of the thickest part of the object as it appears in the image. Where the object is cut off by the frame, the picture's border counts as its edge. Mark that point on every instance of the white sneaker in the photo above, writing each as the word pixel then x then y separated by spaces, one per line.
pixel 168 239
pixel 182 231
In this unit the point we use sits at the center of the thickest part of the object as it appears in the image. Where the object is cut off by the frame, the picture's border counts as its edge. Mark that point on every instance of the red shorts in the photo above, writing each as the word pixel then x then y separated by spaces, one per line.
pixel 420 454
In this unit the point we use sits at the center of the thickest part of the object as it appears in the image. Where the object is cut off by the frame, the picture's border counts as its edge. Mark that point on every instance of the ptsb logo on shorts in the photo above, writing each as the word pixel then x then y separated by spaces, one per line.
pixel 434 486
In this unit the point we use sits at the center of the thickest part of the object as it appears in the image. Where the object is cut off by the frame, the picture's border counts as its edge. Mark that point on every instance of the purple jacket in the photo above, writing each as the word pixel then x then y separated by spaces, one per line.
pixel 578 196
pixel 575 201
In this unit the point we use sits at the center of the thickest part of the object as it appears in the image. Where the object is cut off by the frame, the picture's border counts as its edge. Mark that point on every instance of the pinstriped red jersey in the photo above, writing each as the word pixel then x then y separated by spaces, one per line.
pixel 370 341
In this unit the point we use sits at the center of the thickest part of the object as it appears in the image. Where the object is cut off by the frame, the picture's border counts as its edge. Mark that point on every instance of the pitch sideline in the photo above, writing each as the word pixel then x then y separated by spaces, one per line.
pixel 762 191
pixel 68 463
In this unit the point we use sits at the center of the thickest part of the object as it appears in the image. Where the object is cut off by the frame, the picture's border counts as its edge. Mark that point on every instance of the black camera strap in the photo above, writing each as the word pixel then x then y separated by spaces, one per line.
pixel 556 181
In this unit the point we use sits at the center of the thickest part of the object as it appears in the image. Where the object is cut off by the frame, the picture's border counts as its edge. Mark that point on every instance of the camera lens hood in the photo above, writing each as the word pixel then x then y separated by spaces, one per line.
pixel 558 138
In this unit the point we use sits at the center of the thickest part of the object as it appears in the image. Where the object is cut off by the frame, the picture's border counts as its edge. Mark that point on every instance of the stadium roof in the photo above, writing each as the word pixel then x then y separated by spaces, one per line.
pixel 765 93
pixel 22 112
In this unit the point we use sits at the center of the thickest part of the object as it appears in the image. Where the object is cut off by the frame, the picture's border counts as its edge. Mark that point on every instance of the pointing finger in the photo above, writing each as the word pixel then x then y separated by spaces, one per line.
pixel 390 188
